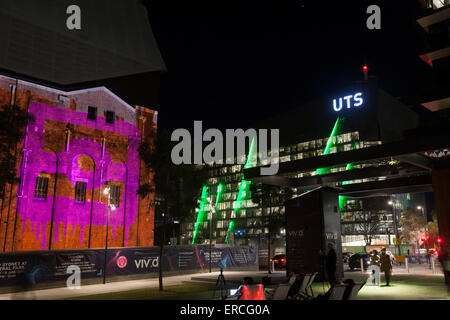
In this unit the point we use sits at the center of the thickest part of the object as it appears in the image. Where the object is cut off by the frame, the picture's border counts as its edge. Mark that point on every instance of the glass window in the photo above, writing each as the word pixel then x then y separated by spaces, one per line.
pixel 92 113
pixel 80 191
pixel 110 116
pixel 40 189
pixel 114 195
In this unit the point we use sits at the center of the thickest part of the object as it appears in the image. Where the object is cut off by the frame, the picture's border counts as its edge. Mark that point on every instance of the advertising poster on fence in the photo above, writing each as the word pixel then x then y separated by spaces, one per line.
pixel 51 266
pixel 146 260
pixel 33 268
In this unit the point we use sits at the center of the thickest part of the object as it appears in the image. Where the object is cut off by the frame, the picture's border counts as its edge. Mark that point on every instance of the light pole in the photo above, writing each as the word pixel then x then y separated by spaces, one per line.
pixel 106 192
pixel 426 229
pixel 210 229
pixel 394 216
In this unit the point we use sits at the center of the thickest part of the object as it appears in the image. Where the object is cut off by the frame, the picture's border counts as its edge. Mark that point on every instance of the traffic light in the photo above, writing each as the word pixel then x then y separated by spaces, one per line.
pixel 439 240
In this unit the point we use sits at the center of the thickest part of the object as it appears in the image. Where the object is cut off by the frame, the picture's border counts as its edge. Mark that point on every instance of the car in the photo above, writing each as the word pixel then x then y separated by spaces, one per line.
pixel 279 260
pixel 354 262
pixel 346 256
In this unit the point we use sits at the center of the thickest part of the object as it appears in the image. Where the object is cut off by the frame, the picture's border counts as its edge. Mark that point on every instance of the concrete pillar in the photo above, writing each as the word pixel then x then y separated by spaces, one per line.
pixel 441 189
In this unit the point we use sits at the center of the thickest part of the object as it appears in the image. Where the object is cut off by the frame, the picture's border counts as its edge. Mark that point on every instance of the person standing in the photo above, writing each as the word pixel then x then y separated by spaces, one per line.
pixel 375 259
pixel 330 263
pixel 386 265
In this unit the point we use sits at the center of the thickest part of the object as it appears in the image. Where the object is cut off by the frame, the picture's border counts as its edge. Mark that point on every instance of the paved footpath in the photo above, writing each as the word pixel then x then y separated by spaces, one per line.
pixel 61 293
pixel 419 283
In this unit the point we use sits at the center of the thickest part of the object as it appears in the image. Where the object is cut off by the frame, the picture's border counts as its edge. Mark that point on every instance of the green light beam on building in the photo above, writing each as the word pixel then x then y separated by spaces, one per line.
pixel 230 229
pixel 343 199
pixel 328 146
pixel 220 188
pixel 244 187
pixel 201 211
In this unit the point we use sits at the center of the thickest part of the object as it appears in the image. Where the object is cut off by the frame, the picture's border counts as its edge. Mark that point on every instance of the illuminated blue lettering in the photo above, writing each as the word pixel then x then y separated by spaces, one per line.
pixel 355 100
pixel 340 105
pixel 348 100
pixel 358 98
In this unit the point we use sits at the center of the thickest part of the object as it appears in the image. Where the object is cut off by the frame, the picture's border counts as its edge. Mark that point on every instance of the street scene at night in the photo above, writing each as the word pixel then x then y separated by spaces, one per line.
pixel 198 155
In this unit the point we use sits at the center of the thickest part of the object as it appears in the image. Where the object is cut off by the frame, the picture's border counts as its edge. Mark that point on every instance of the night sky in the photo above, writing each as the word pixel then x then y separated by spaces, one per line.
pixel 231 63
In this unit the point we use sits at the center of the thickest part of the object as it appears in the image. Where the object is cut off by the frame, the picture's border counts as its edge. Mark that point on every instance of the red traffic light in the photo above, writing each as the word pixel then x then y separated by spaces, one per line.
pixel 439 240
pixel 365 68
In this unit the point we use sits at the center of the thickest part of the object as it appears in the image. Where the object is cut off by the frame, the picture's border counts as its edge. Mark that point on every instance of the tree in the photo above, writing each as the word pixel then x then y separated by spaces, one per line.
pixel 177 185
pixel 13 120
pixel 433 229
pixel 267 196
pixel 369 224
pixel 413 224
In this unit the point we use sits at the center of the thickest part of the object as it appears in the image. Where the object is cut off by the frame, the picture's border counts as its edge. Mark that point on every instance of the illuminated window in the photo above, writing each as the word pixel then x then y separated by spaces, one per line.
pixel 80 192
pixel 40 189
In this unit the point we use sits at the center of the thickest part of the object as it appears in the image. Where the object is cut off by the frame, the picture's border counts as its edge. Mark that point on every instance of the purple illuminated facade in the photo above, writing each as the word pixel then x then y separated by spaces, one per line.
pixel 67 162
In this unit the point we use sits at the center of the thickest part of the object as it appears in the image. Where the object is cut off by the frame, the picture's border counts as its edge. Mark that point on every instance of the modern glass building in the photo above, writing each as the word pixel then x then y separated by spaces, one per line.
pixel 309 131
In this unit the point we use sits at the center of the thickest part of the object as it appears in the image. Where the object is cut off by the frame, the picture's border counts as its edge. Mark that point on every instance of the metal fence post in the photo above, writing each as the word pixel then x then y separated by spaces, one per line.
pixel 362 265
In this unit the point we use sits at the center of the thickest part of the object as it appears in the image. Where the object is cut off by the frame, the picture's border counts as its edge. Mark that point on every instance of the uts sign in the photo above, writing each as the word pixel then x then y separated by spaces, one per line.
pixel 348 102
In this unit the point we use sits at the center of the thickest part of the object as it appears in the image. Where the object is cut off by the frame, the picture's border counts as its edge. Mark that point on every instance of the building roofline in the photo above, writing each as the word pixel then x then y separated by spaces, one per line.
pixel 71 92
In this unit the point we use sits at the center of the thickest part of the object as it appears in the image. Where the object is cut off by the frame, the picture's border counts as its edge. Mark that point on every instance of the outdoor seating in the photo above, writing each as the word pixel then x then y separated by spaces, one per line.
pixel 302 293
pixel 355 290
pixel 305 291
pixel 337 292
pixel 280 292
pixel 309 286
pixel 292 279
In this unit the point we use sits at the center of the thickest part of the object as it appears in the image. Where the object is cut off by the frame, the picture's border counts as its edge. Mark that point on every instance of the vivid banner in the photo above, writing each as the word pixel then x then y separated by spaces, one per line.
pixel 33 268
pixel 51 266
pixel 146 260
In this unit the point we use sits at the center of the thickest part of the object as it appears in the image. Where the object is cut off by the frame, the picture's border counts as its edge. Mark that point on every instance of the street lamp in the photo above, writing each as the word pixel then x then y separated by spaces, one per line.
pixel 426 228
pixel 212 211
pixel 394 216
pixel 110 207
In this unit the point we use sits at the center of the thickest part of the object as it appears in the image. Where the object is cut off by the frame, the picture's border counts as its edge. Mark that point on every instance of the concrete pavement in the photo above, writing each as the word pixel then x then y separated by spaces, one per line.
pixel 420 283
pixel 62 293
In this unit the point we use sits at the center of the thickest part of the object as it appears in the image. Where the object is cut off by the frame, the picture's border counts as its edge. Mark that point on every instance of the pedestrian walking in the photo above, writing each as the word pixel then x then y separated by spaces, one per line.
pixel 386 265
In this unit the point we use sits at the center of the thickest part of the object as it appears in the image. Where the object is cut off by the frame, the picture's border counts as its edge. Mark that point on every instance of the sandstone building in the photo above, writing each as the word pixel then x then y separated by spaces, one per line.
pixel 78 157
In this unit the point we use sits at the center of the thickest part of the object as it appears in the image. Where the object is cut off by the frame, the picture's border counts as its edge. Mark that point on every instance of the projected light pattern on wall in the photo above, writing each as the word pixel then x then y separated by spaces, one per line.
pixel 38 161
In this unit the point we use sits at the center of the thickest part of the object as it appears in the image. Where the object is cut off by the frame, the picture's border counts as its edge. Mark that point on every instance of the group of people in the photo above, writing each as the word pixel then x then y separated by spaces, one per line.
pixel 383 261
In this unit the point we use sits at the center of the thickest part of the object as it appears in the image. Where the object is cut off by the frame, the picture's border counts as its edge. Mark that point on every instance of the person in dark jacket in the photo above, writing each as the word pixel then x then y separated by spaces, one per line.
pixel 386 265
pixel 330 263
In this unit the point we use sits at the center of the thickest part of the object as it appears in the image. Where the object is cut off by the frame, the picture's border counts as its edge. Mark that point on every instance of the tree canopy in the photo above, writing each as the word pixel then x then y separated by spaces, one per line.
pixel 13 120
